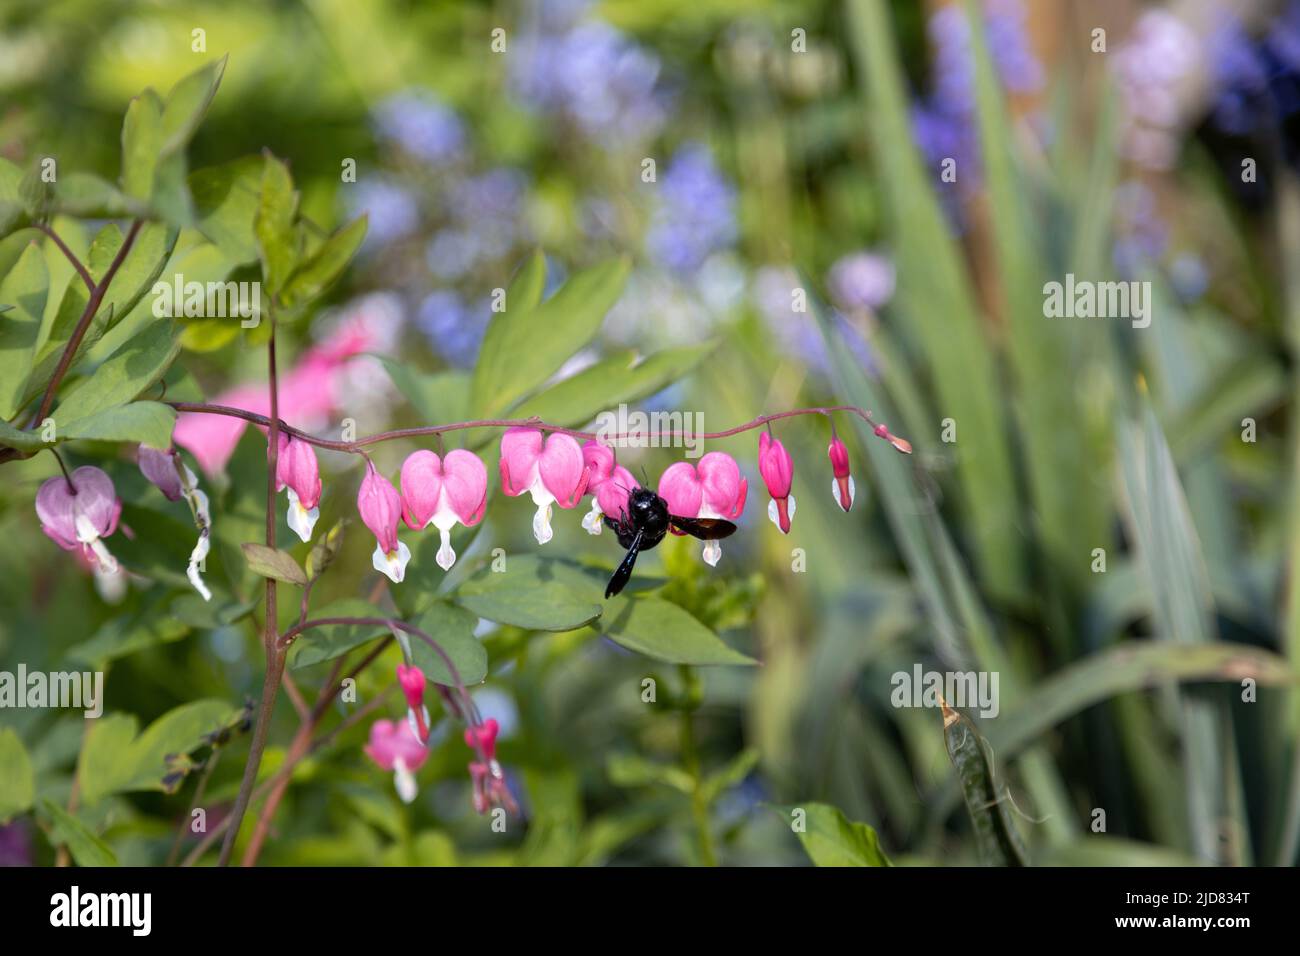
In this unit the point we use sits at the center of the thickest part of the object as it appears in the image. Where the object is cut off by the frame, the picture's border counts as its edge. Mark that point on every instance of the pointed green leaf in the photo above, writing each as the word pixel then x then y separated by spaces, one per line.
pixel 662 630
pixel 25 288
pixel 86 848
pixel 831 839
pixel 17 780
pixel 131 370
pixel 276 238
pixel 147 422
pixel 273 563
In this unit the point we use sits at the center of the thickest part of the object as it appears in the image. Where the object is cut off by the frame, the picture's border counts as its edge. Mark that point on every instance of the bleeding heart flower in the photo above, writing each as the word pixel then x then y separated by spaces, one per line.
pixel 394 747
pixel 381 508
pixel 777 469
pixel 551 470
pixel 442 492
pixel 412 681
pixel 608 484
pixel 297 469
pixel 160 468
pixel 77 515
pixel 842 487
pixel 712 489
pixel 486 775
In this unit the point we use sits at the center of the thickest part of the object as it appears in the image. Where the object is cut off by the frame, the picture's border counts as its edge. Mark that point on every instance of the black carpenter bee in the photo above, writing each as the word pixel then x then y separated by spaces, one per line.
pixel 644 525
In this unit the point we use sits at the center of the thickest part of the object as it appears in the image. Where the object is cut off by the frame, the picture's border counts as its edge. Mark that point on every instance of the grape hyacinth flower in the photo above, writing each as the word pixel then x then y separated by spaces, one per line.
pixel 77 513
pixel 552 470
pixel 443 492
pixel 381 508
pixel 777 469
pixel 609 484
pixel 394 746
pixel 298 471
pixel 712 489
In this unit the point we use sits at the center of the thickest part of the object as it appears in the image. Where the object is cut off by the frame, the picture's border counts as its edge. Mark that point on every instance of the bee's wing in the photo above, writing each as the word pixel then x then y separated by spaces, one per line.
pixel 623 573
pixel 706 529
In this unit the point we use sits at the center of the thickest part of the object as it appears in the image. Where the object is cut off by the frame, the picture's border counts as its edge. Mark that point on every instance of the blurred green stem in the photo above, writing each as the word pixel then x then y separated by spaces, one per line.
pixel 692 693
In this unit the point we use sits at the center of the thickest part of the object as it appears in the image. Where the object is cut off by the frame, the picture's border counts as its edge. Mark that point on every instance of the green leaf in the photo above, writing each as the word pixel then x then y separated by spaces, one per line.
pixel 115 760
pixel 523 347
pixel 226 200
pixel 539 594
pixel 142 139
pixel 187 103
pixel 126 374
pixel 273 563
pixel 86 848
pixel 12 214
pixel 125 634
pixel 87 195
pixel 276 239
pixel 17 438
pixel 662 630
pixel 831 839
pixel 326 264
pixel 441 397
pixel 608 383
pixel 453 628
pixel 142 266
pixel 147 422
pixel 633 770
pixel 326 643
pixel 990 811
pixel 17 779
pixel 25 288
pixel 732 775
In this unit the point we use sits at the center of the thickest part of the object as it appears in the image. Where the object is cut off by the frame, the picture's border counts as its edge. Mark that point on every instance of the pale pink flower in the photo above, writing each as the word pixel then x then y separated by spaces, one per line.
pixel 298 470
pixel 381 508
pixel 77 515
pixel 394 746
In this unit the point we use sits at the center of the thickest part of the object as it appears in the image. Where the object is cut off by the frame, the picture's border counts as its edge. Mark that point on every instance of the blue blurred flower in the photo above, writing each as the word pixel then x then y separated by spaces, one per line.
pixel 421 125
pixel 696 213
pixel 392 209
pixel 1257 81
pixel 454 328
pixel 591 73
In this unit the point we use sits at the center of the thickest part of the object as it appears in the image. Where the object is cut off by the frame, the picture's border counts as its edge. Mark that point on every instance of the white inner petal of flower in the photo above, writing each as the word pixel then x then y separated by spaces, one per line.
pixel 196 564
pixel 404 780
pixel 542 520
pixel 712 553
pixel 591 521
pixel 446 556
pixel 392 563
pixel 301 520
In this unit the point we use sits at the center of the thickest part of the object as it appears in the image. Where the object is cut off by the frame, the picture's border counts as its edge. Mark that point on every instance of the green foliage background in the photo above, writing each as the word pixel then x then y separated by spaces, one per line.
pixel 1120 691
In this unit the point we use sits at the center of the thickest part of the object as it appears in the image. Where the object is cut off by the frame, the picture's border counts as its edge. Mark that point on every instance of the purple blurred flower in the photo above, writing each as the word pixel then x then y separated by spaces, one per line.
pixel 1150 66
pixel 16 845
pixel 861 281
pixel 421 125
pixel 695 215
pixel 1257 82
pixel 454 328
pixel 954 60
